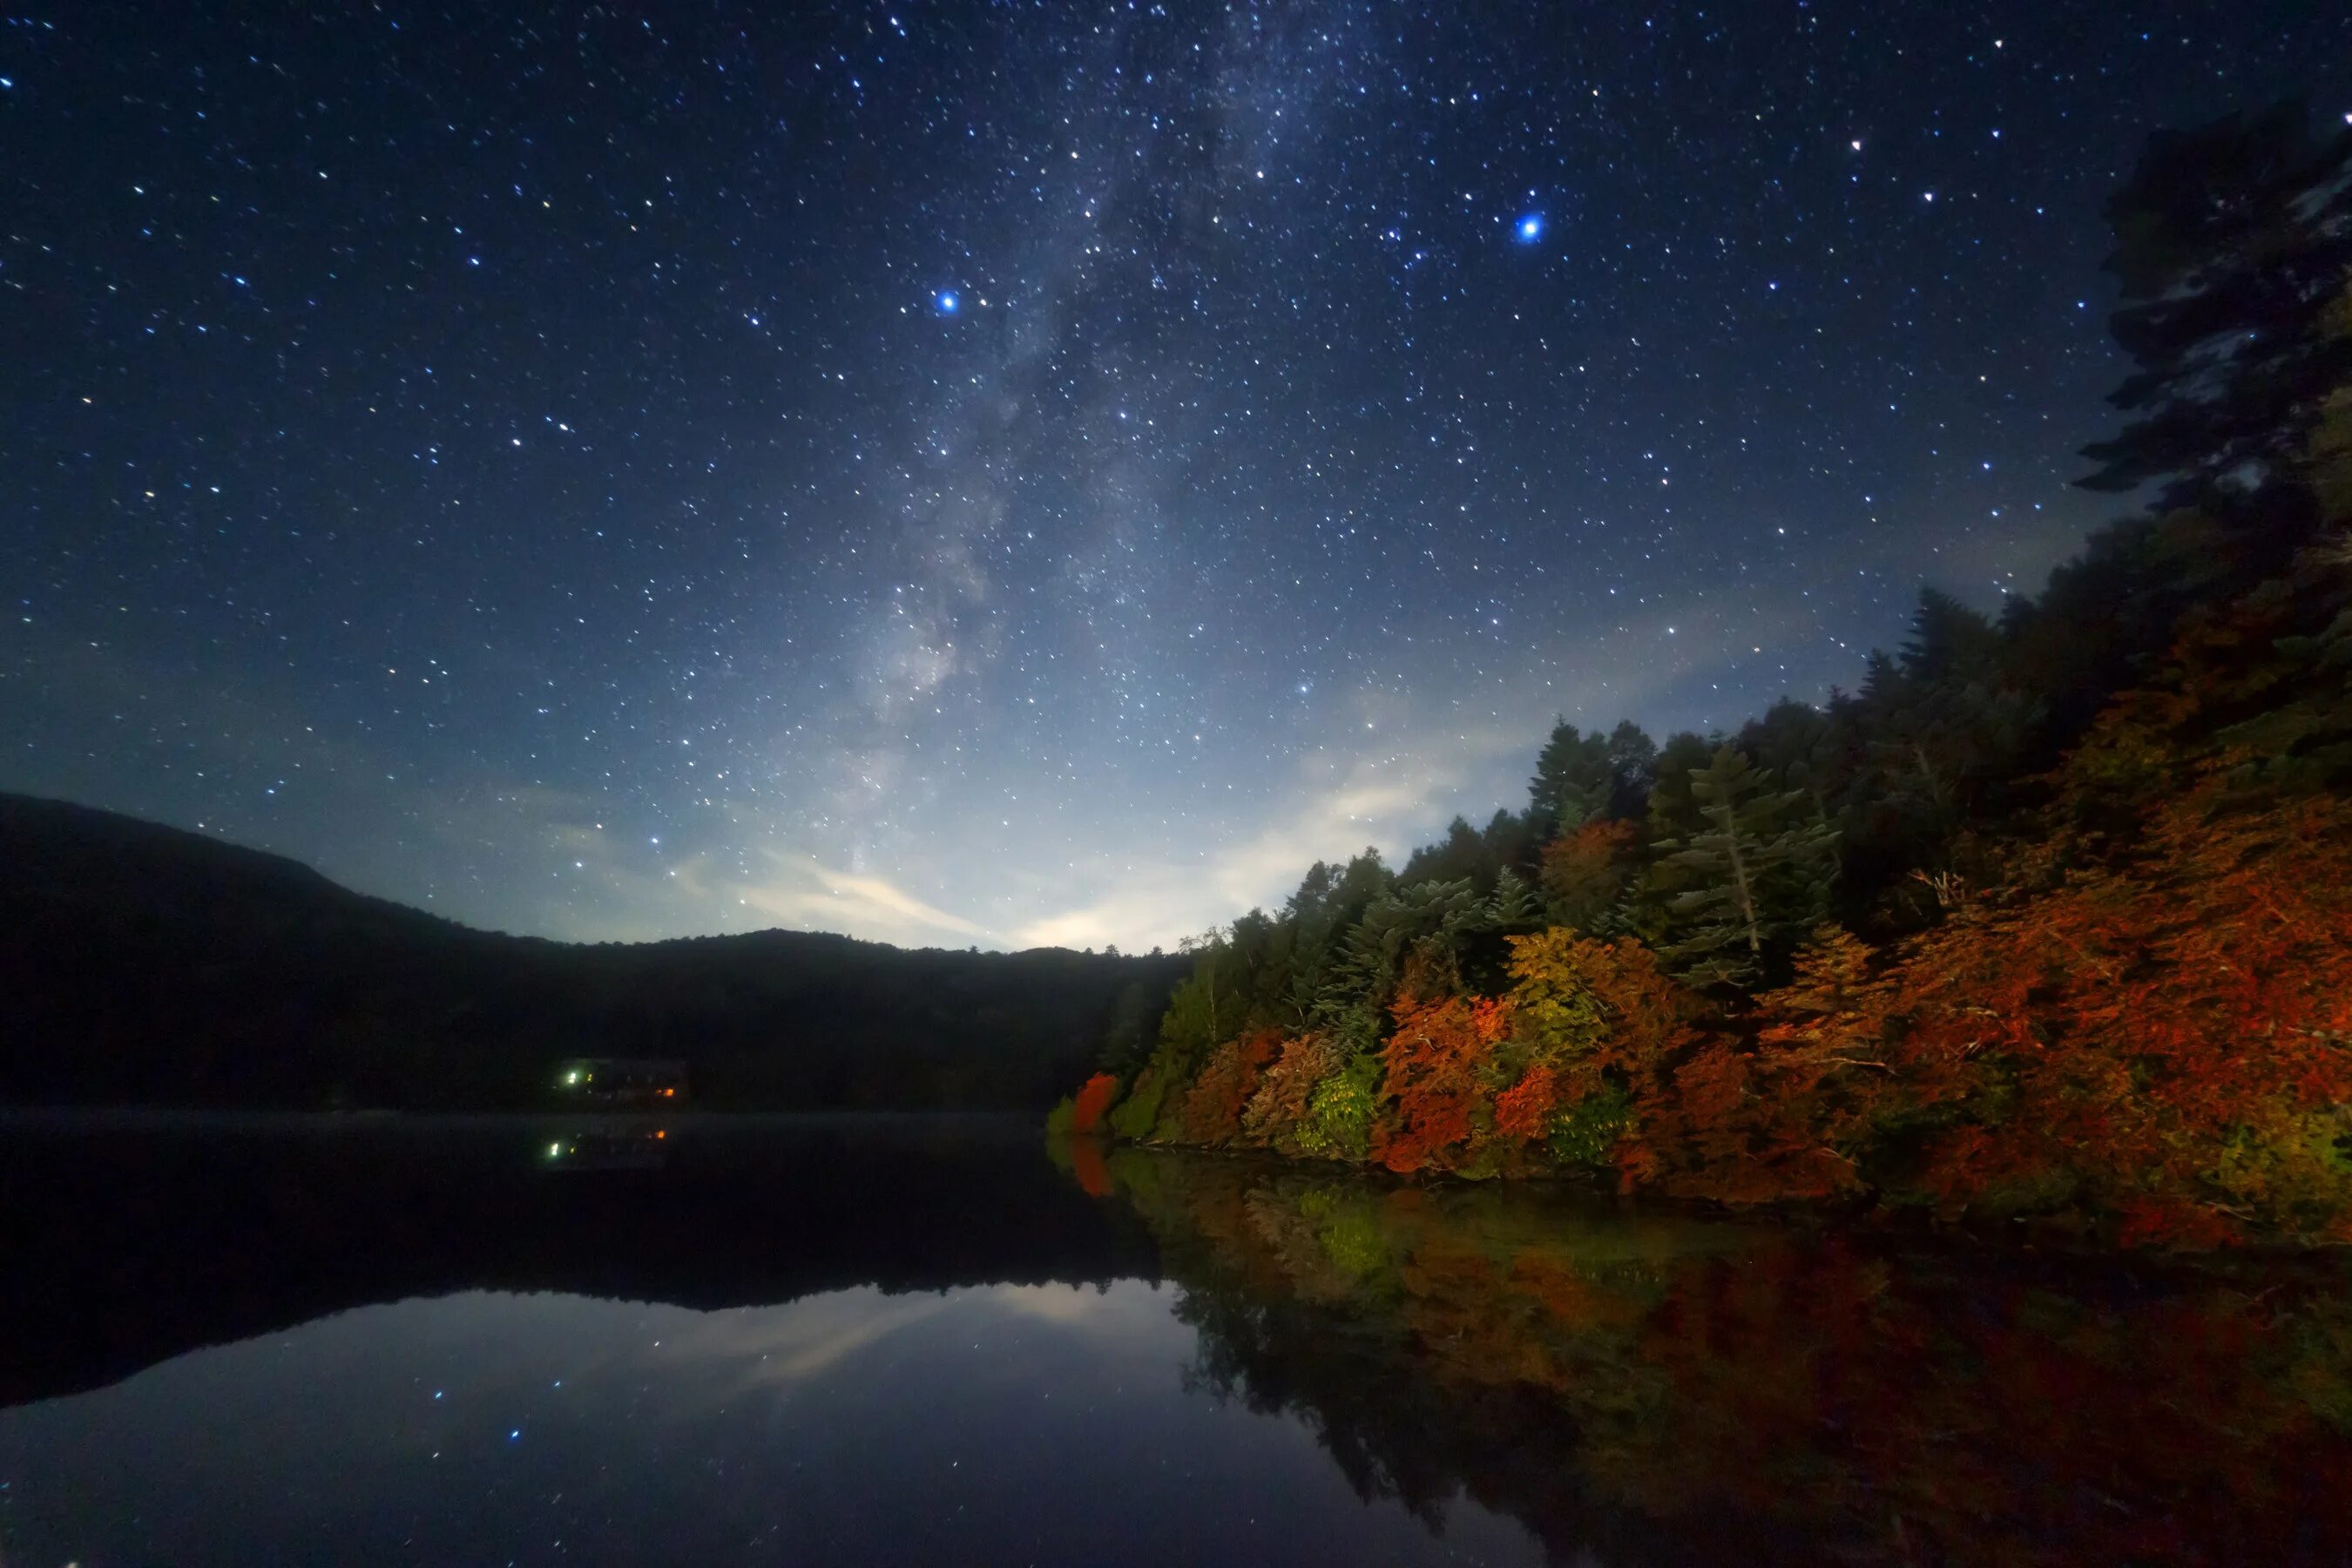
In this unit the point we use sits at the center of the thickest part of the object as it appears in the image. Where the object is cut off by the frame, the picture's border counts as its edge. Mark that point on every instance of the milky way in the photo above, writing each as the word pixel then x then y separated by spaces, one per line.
pixel 993 475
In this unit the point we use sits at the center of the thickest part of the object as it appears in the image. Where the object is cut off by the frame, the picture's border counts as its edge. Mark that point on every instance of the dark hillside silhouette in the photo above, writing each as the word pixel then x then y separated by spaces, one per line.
pixel 140 964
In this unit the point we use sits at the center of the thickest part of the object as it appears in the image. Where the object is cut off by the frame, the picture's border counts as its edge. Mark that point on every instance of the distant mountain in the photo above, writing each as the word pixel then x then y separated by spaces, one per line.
pixel 142 964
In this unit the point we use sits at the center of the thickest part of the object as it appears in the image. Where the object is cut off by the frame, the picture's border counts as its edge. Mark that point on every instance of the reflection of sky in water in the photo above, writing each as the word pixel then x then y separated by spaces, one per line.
pixel 993 1424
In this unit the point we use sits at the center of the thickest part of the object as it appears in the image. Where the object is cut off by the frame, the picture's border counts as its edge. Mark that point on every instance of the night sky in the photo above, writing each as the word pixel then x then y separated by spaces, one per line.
pixel 1006 475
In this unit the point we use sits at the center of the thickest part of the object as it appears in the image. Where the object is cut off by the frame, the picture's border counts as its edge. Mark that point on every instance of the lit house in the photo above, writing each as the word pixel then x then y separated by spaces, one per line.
pixel 620 1080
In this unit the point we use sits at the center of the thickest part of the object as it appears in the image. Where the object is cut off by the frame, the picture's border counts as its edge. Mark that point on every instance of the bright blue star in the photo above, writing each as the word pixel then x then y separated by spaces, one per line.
pixel 947 302
pixel 1531 228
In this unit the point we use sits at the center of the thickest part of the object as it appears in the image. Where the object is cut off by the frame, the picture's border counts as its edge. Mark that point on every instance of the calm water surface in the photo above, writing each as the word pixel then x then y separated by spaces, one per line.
pixel 927 1339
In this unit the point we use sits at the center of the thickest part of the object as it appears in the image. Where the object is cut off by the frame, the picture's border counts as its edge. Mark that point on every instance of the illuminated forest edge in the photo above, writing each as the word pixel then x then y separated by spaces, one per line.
pixel 2051 917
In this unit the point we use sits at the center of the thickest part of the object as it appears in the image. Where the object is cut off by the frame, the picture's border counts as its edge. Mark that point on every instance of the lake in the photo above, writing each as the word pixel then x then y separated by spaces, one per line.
pixel 923 1340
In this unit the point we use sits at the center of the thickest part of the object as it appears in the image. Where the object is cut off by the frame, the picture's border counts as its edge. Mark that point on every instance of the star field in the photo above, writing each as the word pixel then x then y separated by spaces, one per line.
pixel 1013 474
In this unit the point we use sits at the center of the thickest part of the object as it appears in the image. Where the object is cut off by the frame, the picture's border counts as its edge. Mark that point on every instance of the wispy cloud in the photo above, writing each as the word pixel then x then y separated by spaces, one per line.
pixel 801 891
pixel 701 893
pixel 1390 799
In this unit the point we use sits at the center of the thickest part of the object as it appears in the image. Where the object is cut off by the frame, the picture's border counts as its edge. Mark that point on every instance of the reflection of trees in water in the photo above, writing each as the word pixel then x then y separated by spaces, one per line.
pixel 247 1228
pixel 1663 1388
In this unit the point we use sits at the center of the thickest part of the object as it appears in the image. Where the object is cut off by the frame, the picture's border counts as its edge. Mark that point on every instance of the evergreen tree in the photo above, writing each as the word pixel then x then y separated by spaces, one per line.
pixel 1672 809
pixel 1633 768
pixel 1572 778
pixel 1330 899
pixel 2232 244
pixel 1950 643
pixel 1582 776
pixel 1760 872
pixel 2327 465
pixel 1512 906
pixel 1464 855
pixel 1513 842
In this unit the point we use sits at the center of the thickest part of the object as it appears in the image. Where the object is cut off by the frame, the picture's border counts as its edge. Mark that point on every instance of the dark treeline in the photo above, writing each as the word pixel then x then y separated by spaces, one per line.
pixel 143 965
pixel 2052 914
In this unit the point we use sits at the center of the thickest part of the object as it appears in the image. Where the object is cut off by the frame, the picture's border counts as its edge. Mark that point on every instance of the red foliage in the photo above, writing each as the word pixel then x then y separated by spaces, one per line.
pixel 1090 1167
pixel 1094 1098
pixel 1431 1063
pixel 2166 1037
pixel 1525 1109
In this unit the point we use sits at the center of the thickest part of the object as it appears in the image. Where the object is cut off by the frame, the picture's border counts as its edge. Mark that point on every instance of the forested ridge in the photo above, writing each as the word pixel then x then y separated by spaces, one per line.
pixel 2051 915
pixel 140 964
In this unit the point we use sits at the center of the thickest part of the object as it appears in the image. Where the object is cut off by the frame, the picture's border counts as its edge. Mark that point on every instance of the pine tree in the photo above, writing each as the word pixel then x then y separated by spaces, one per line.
pixel 1573 779
pixel 2232 243
pixel 1950 643
pixel 1464 855
pixel 1328 903
pixel 1760 873
pixel 2327 461
pixel 1421 927
pixel 1582 777
pixel 1512 906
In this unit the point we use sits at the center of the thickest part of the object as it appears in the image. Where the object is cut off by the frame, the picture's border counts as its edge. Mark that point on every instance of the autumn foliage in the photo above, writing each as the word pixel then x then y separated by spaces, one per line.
pixel 1094 1098
pixel 1853 1402
pixel 2051 919
pixel 2128 1012
pixel 1779 1114
pixel 1212 1105
pixel 1284 1094
pixel 1585 869
pixel 2160 1035
pixel 2171 1039
pixel 1432 1064
pixel 1524 1110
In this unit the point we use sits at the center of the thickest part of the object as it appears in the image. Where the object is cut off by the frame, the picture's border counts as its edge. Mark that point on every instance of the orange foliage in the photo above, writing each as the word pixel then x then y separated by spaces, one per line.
pixel 2171 1035
pixel 1212 1105
pixel 2161 1035
pixel 1274 1112
pixel 1524 1110
pixel 1602 1015
pixel 1094 1098
pixel 1785 1119
pixel 1431 1063
pixel 2154 741
pixel 2166 1039
pixel 1585 870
